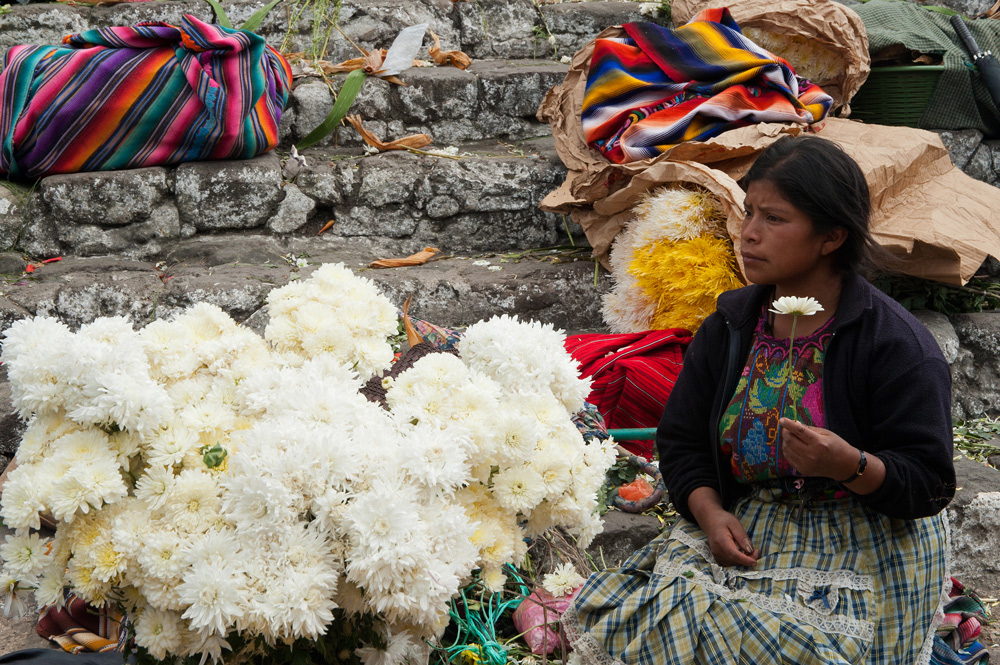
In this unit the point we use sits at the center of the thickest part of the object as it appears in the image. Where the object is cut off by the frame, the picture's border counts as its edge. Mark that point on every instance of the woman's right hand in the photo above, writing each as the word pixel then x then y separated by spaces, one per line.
pixel 731 546
pixel 728 540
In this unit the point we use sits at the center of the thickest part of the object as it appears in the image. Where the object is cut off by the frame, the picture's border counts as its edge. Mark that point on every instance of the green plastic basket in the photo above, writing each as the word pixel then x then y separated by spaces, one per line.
pixel 896 95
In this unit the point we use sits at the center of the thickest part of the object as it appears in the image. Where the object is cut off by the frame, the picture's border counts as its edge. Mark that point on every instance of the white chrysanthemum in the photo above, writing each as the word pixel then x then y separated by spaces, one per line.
pixel 152 486
pixel 90 486
pixel 192 502
pixel 213 596
pixel 515 437
pixel 554 464
pixel 51 587
pixel 561 581
pixel 435 458
pixel 516 354
pixel 207 415
pixel 159 632
pixel 85 584
pixel 394 653
pixel 33 349
pixel 12 594
pixel 108 562
pixel 40 435
pixel 22 499
pixel 494 578
pixel 380 522
pixel 257 505
pixel 25 556
pixel 130 526
pixel 170 445
pixel 168 347
pixel 518 488
pixel 161 556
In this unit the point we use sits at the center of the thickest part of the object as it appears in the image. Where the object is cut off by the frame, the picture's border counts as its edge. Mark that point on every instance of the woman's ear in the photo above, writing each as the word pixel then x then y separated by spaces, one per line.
pixel 833 240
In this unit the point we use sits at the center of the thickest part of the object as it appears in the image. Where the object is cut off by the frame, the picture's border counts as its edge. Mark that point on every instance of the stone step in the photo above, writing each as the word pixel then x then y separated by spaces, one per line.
pixel 486 201
pixel 236 272
pixel 492 99
pixel 481 28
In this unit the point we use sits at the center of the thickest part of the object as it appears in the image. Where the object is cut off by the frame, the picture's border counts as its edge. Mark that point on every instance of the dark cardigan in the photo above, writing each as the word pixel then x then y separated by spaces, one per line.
pixel 886 390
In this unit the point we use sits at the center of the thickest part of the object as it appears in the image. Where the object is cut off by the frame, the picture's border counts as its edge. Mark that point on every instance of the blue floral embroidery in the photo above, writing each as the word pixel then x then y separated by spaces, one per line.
pixel 755 449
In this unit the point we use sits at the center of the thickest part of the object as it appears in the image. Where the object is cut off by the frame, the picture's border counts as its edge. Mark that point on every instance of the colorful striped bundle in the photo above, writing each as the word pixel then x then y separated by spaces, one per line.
pixel 147 95
pixel 656 88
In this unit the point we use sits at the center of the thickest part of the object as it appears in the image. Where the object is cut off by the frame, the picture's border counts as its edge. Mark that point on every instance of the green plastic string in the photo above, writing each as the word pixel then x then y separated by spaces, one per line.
pixel 476 631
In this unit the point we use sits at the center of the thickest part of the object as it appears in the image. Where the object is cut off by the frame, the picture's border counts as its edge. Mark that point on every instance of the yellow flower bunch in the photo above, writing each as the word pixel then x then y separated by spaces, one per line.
pixel 671 262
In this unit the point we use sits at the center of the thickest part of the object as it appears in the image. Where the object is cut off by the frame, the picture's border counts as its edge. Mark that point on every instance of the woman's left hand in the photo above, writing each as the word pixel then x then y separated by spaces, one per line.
pixel 815 451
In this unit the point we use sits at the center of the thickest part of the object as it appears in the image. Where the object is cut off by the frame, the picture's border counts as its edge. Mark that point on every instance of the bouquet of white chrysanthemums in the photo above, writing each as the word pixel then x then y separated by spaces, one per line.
pixel 230 492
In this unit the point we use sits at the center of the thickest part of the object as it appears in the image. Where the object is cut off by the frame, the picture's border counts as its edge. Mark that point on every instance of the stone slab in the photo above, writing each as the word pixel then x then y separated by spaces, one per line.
pixel 623 534
pixel 974 516
pixel 492 99
pixel 942 331
pixel 236 272
pixel 487 200
pixel 483 29
pixel 976 371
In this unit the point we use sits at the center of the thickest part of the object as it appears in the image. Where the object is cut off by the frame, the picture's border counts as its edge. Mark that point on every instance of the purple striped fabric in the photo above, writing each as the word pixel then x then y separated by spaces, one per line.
pixel 144 95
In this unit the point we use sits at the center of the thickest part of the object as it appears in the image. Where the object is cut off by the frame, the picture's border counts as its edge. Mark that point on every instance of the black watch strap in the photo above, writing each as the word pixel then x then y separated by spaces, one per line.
pixel 862 465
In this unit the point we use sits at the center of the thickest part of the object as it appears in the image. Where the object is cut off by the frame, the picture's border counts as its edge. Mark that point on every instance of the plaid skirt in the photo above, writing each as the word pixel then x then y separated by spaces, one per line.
pixel 836 583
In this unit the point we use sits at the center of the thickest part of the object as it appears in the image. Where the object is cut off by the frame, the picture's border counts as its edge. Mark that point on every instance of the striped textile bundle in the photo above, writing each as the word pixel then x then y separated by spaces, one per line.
pixel 633 375
pixel 146 95
pixel 656 88
pixel 80 628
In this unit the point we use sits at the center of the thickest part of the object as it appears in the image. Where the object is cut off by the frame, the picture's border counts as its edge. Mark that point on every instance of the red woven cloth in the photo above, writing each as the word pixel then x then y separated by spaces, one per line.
pixel 633 375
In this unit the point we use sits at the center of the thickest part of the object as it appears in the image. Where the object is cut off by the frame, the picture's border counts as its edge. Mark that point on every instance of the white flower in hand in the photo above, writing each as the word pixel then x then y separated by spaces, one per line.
pixel 796 306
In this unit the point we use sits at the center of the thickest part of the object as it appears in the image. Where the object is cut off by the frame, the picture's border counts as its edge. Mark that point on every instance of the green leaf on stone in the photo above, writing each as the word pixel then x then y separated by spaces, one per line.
pixel 348 92
pixel 220 14
pixel 258 16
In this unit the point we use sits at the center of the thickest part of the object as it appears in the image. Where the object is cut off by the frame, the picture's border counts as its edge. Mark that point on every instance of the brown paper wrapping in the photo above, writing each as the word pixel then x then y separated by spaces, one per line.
pixel 941 222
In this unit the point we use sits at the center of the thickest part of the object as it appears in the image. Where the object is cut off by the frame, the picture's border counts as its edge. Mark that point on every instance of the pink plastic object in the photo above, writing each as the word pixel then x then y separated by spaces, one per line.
pixel 538 618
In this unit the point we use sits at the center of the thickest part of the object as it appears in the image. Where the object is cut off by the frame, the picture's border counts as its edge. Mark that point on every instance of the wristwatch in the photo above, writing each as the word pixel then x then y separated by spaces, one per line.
pixel 862 464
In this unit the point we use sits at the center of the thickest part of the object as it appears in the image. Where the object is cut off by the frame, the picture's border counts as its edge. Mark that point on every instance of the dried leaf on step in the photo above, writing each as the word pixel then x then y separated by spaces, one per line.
pixel 412 336
pixel 372 64
pixel 422 63
pixel 345 66
pixel 405 143
pixel 417 259
pixel 456 58
pixel 992 12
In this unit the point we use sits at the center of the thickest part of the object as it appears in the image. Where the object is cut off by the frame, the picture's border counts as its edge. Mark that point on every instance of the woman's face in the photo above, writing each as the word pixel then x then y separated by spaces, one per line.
pixel 780 245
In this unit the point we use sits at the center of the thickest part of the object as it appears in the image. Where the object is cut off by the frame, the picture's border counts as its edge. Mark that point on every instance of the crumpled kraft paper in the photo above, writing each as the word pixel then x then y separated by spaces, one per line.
pixel 941 222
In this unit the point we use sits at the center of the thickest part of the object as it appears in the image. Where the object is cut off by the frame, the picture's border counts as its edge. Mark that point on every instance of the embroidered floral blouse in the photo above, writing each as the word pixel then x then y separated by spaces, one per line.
pixel 749 431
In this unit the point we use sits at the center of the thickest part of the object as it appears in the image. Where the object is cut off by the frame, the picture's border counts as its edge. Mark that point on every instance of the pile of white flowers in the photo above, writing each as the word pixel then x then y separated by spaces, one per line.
pixel 225 489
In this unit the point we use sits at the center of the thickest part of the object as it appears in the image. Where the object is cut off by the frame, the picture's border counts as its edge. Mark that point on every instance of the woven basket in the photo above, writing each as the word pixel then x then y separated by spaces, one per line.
pixel 896 95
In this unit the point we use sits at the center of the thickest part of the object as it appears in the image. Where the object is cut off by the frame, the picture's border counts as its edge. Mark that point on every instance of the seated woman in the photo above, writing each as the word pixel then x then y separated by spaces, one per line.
pixel 810 498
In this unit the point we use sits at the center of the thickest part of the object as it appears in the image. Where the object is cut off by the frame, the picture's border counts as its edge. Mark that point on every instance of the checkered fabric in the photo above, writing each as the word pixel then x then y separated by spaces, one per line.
pixel 960 100
pixel 836 583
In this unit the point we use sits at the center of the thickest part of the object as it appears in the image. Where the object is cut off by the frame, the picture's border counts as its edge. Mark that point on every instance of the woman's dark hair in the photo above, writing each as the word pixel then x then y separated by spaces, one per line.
pixel 819 178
